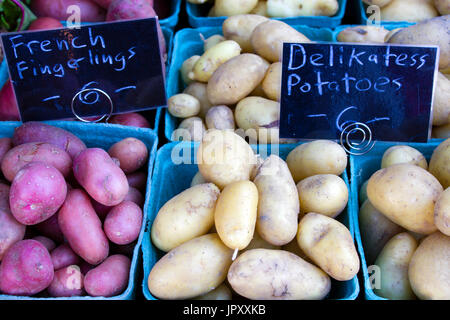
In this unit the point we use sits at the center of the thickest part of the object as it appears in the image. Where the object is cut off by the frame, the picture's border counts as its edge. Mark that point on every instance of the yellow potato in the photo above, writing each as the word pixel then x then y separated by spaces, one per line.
pixel 441 132
pixel 441 103
pixel 403 154
pixel 183 105
pixel 222 292
pixel 376 230
pixel 295 249
pixel 240 27
pixel 198 90
pixel 442 212
pixel 212 41
pixel 268 37
pixel 443 6
pixel 190 129
pixel 198 179
pixel 429 269
pixel 233 7
pixel 326 194
pixel 235 214
pixel 224 157
pixel 294 8
pixel 408 10
pixel 236 78
pixel 186 68
pixel 388 36
pixel 258 92
pixel 194 268
pixel 406 194
pixel 329 244
pixel 220 117
pixel 272 82
pixel 363 34
pixel 259 243
pixel 316 157
pixel 264 274
pixel 278 204
pixel 363 192
pixel 212 12
pixel 439 166
pixel 187 215
pixel 214 57
pixel 393 262
pixel 260 9
pixel 380 3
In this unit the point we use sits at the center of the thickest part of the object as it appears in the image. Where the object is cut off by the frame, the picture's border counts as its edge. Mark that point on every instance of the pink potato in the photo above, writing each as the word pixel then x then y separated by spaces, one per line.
pixel 45 23
pixel 26 269
pixel 137 180
pixel 110 278
pixel 82 228
pixel 67 282
pixel 103 3
pixel 37 192
pixel 131 119
pixel 19 156
pixel 131 152
pixel 48 243
pixel 50 228
pixel 102 179
pixel 85 267
pixel 63 256
pixel 123 223
pixel 40 132
pixel 8 105
pixel 11 231
pixel 5 146
pixel 90 11
pixel 4 196
pixel 134 195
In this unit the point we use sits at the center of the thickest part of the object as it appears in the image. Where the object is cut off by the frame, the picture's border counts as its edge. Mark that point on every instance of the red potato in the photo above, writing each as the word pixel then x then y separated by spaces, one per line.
pixel 103 3
pixel 90 11
pixel 8 104
pixel 134 195
pixel 19 156
pixel 37 192
pixel 63 256
pixel 137 180
pixel 85 267
pixel 132 154
pixel 45 23
pixel 82 228
pixel 50 228
pixel 40 132
pixel 67 282
pixel 102 179
pixel 123 223
pixel 110 278
pixel 5 146
pixel 131 119
pixel 100 209
pixel 11 231
pixel 26 269
pixel 48 243
pixel 4 196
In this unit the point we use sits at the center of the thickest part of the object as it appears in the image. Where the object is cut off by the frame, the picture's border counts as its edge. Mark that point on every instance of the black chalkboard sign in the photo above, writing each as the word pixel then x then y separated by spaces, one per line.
pixel 49 68
pixel 329 86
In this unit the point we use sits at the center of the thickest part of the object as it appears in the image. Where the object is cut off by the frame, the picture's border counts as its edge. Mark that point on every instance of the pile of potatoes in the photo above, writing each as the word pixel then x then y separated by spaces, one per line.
pixel 271 8
pixel 69 215
pixel 410 10
pixel 431 32
pixel 236 82
pixel 404 221
pixel 257 228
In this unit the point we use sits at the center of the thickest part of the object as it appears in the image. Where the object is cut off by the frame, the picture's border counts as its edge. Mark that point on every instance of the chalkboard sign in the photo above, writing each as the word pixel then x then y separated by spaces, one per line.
pixel 49 68
pixel 329 86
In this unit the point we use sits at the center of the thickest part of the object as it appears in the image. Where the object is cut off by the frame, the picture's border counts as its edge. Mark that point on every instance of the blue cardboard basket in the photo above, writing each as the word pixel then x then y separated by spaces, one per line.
pixel 198 17
pixel 170 179
pixel 103 136
pixel 172 20
pixel 361 169
pixel 363 19
pixel 187 42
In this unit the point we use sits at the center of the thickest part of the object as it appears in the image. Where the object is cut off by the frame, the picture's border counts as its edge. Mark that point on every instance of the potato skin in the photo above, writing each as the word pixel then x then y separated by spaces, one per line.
pixel 194 268
pixel 110 278
pixel 198 90
pixel 82 228
pixel 26 269
pixel 429 268
pixel 102 179
pixel 63 256
pixel 438 163
pixel 186 67
pixel 11 231
pixel 233 7
pixel 131 152
pixel 363 34
pixel 198 179
pixel 393 262
pixel 67 282
pixel 186 216
pixel 278 204
pixel 5 146
pixel 123 223
pixel 442 212
pixel 406 194
pixel 220 117
pixel 271 84
pixel 408 10
pixel 326 194
pixel 190 129
pixel 329 244
pixel 293 8
pixel 240 28
pixel 443 6
pixel 316 157
pixel 441 103
pixel 37 192
pixel 264 274
pixel 236 79
pixel 222 292
pixel 403 154
pixel 131 119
